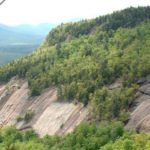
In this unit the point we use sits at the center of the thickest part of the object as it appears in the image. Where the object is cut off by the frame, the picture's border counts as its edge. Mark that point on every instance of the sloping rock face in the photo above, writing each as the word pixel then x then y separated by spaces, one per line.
pixel 49 116
pixel 140 109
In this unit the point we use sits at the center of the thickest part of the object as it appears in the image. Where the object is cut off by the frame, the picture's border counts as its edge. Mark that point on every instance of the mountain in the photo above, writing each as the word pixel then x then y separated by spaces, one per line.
pixel 24 34
pixel 95 70
pixel 17 41
pixel 45 108
pixel 41 29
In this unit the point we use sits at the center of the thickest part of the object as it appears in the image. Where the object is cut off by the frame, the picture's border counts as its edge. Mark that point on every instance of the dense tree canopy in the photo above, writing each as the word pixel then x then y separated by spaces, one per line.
pixel 80 65
pixel 110 136
pixel 82 60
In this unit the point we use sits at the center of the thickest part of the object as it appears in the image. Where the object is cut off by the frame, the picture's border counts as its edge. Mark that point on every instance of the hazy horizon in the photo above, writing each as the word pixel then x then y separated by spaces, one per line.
pixel 42 23
pixel 34 12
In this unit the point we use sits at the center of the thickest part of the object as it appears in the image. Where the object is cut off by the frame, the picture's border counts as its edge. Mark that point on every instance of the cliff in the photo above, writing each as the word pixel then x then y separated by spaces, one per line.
pixel 48 115
pixel 140 109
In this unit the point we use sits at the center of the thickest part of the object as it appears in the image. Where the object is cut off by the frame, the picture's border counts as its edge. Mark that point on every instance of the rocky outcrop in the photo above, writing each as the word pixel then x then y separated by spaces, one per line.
pixel 52 117
pixel 140 109
pixel 49 116
pixel 115 85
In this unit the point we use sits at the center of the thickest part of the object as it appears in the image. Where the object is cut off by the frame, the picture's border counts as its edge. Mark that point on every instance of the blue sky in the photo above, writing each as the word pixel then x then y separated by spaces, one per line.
pixel 14 12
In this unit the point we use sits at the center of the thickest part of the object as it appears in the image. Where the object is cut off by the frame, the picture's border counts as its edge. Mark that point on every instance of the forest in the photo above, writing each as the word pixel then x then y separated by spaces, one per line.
pixel 110 136
pixel 82 59
pixel 12 52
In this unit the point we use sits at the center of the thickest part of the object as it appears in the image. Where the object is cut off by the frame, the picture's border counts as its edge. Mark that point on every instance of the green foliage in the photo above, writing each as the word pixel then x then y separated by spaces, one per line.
pixel 9 136
pixel 130 17
pixel 29 135
pixel 87 56
pixel 19 118
pixel 12 52
pixel 28 116
pixel 108 104
pixel 107 136
pixel 62 125
pixel 59 92
pixel 82 60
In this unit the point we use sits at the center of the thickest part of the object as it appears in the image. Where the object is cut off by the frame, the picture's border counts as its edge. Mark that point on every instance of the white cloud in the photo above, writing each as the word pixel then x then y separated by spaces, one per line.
pixel 14 12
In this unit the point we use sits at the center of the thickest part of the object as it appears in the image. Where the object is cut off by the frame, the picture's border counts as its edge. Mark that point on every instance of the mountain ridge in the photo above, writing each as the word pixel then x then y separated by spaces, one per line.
pixel 94 73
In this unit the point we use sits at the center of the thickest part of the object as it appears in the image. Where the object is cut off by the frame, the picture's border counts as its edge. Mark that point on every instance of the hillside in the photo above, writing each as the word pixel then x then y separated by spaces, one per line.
pixel 47 115
pixel 103 63
pixel 86 63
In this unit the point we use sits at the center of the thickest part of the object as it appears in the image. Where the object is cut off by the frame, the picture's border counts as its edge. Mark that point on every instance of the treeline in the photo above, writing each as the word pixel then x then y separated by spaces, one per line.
pixel 81 67
pixel 110 136
pixel 127 18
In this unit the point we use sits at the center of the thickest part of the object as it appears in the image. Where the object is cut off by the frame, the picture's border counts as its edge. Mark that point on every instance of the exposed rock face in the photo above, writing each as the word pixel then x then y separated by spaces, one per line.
pixel 140 109
pixel 50 117
pixel 115 85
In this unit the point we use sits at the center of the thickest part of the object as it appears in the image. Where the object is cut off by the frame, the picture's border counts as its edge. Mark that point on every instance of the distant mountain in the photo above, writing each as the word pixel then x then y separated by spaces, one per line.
pixel 41 29
pixel 17 41
pixel 24 34
pixel 103 64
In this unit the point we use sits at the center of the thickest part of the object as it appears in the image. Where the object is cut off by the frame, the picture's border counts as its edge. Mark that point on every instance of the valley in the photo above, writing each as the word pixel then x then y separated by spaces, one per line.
pixel 11 52
pixel 18 41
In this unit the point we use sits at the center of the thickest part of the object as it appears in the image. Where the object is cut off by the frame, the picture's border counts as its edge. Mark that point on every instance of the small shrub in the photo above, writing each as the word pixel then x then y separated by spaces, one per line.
pixel 19 118
pixel 28 116
pixel 30 134
pixel 62 125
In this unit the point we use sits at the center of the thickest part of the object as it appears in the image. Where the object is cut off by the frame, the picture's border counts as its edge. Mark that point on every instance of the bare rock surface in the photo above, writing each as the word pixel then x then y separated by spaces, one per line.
pixel 115 85
pixel 140 109
pixel 49 116
pixel 145 89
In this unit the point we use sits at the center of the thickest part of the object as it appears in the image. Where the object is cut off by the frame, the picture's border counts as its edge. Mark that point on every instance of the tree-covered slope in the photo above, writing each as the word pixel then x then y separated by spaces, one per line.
pixel 127 18
pixel 85 137
pixel 81 59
